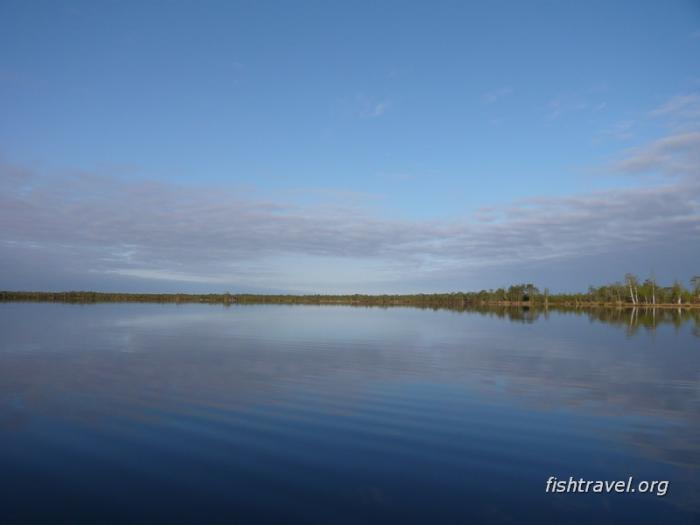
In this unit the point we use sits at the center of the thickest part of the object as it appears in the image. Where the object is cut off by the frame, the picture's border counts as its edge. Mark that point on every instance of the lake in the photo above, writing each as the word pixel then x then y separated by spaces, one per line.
pixel 143 413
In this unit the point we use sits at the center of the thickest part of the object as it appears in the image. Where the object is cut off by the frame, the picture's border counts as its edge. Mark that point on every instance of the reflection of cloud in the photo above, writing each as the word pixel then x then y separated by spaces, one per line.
pixel 180 357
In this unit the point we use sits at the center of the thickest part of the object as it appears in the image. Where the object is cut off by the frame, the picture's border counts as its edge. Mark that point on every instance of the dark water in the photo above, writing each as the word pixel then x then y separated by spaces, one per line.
pixel 133 413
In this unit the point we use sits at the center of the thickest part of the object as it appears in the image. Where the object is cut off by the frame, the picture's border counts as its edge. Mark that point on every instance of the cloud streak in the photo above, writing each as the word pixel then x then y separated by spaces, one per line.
pixel 160 231
pixel 369 108
pixel 497 94
pixel 684 107
pixel 104 227
pixel 677 154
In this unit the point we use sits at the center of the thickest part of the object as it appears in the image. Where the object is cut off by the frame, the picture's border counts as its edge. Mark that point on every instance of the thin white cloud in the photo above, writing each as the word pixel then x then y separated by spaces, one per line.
pixel 497 94
pixel 684 107
pixel 574 103
pixel 374 110
pixel 677 154
pixel 369 108
pixel 622 130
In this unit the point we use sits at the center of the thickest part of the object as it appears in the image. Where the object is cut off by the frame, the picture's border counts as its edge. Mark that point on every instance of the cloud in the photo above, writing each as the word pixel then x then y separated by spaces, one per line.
pixel 680 107
pixel 560 105
pixel 398 177
pixel 374 110
pixel 497 94
pixel 63 228
pixel 161 231
pixel 621 130
pixel 371 108
pixel 576 102
pixel 677 154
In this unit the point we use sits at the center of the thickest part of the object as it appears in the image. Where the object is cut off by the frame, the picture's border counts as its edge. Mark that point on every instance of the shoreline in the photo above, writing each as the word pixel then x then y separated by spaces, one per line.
pixel 455 300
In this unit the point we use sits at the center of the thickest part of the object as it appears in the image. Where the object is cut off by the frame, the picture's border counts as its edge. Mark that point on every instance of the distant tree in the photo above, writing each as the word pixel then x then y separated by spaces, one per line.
pixel 530 292
pixel 648 290
pixel 695 283
pixel 515 292
pixel 677 292
pixel 632 283
pixel 618 290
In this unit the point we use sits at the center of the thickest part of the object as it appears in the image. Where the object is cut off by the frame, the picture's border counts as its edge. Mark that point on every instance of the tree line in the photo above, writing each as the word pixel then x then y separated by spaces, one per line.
pixel 629 292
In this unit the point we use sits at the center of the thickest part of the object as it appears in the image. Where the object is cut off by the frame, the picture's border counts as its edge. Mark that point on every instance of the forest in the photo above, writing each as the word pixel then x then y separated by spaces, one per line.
pixel 631 292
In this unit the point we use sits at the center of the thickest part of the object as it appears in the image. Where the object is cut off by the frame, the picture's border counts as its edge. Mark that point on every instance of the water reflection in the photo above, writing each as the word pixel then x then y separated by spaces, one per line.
pixel 632 319
pixel 362 408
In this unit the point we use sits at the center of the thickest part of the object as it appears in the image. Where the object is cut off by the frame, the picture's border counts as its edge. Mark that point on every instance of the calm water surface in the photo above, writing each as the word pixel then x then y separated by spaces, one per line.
pixel 143 413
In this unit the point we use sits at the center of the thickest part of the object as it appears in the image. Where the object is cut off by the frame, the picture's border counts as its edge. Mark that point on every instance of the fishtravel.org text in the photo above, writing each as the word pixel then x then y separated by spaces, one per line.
pixel 580 485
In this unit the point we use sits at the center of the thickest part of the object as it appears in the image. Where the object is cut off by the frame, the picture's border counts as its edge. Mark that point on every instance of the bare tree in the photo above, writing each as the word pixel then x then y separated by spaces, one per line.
pixel 632 283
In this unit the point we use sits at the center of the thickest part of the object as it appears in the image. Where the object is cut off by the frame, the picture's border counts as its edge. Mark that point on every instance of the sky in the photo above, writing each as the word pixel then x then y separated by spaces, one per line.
pixel 347 147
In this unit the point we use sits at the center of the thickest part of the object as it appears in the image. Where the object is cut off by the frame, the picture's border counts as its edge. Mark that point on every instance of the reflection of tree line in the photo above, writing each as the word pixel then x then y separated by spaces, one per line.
pixel 529 309
pixel 632 319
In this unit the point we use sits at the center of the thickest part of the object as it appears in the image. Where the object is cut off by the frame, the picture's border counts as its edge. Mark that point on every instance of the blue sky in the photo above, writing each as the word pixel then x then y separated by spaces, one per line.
pixel 336 147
